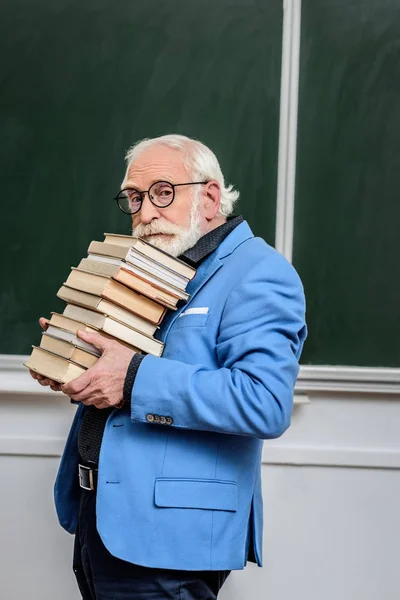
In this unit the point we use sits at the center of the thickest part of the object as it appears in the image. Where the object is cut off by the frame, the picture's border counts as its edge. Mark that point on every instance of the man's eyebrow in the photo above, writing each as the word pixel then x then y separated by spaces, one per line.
pixel 130 184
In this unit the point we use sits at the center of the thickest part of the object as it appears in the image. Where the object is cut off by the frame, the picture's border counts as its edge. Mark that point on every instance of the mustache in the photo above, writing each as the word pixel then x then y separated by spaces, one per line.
pixel 157 226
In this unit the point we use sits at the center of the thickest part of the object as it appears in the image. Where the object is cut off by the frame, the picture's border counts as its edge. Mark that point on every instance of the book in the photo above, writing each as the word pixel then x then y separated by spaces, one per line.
pixel 52 366
pixel 105 307
pixel 131 280
pixel 141 262
pixel 173 263
pixel 118 293
pixel 115 328
pixel 138 259
pixel 67 324
pixel 104 265
pixel 70 336
pixel 68 350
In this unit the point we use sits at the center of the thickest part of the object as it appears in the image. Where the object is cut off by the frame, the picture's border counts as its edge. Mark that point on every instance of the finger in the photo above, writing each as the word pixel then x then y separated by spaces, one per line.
pixel 44 381
pixel 77 385
pixel 44 323
pixel 34 374
pixel 55 387
pixel 102 405
pixel 97 402
pixel 37 376
pixel 96 339
pixel 90 401
pixel 84 397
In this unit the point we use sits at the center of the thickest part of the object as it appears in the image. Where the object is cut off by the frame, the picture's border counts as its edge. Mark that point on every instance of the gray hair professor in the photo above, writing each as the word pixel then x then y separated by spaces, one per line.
pixel 172 445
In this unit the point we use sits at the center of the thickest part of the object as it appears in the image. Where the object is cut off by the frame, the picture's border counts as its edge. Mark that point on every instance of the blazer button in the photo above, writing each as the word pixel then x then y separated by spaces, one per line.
pixel 149 418
pixel 156 418
pixel 169 420
pixel 162 420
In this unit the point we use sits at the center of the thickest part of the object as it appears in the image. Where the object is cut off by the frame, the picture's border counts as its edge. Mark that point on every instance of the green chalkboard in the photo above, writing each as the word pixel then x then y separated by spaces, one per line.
pixel 82 81
pixel 347 216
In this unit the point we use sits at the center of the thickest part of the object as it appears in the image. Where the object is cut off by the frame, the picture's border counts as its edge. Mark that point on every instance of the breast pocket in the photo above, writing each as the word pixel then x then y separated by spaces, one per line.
pixel 190 338
pixel 191 320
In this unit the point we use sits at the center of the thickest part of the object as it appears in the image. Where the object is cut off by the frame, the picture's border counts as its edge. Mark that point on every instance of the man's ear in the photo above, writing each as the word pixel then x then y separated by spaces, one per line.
pixel 211 199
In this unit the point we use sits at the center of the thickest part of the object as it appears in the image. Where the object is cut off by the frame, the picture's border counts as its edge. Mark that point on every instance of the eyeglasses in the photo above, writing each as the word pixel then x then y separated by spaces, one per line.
pixel 161 194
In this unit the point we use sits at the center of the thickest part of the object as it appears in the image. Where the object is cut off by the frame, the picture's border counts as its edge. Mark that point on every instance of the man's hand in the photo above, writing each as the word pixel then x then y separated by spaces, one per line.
pixel 102 385
pixel 45 381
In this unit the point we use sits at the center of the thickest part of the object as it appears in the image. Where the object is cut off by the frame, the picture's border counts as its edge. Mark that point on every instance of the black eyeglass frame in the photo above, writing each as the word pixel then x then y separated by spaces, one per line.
pixel 173 185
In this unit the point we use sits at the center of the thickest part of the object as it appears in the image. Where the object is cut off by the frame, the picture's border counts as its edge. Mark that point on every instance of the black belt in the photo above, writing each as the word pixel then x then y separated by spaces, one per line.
pixel 87 477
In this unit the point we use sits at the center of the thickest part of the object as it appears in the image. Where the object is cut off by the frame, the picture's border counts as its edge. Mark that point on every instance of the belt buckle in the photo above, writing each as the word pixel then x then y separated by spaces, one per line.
pixel 91 482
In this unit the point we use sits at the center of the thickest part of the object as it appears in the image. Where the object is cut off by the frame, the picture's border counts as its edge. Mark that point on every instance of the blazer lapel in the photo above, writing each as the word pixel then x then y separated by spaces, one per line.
pixel 205 271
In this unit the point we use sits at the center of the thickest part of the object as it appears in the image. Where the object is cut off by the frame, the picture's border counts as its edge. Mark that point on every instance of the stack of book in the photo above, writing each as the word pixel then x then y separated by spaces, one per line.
pixel 121 290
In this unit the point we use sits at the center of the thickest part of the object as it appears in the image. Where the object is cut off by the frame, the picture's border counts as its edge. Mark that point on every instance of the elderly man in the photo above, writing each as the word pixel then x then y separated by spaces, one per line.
pixel 172 445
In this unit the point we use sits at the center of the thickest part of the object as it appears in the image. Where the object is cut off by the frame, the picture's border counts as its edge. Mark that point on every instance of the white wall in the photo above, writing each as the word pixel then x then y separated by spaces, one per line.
pixel 331 498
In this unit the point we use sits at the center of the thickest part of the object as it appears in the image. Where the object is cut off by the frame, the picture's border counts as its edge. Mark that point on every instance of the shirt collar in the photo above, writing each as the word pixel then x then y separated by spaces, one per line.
pixel 210 242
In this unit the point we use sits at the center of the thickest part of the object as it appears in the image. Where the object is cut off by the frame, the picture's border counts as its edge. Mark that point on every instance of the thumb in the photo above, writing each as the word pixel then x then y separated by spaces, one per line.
pixel 44 323
pixel 96 339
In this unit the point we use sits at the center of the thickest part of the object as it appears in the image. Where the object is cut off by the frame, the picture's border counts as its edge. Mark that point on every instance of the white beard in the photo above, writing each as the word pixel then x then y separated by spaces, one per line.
pixel 183 238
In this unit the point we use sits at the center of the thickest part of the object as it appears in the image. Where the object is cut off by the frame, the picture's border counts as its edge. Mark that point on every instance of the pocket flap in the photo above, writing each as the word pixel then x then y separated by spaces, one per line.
pixel 211 494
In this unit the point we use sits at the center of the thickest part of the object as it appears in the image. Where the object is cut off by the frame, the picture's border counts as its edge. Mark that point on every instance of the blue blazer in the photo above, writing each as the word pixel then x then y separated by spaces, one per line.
pixel 179 484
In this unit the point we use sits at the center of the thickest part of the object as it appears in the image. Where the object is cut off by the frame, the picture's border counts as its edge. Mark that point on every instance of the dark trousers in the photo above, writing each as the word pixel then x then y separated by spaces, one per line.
pixel 101 576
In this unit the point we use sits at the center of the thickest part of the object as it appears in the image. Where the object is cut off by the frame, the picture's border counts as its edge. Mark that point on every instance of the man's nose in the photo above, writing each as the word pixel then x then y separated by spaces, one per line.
pixel 148 211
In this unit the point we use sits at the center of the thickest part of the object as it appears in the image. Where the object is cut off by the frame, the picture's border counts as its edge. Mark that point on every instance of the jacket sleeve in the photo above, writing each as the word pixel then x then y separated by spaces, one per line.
pixel 261 335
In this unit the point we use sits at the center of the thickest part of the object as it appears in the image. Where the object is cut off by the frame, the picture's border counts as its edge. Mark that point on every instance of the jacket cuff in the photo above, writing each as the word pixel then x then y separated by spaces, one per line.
pixel 131 376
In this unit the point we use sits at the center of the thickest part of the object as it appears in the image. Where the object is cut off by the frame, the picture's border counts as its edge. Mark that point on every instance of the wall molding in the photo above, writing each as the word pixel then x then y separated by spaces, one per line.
pixel 274 453
pixel 348 380
pixel 18 445
pixel 330 456
pixel 314 381
pixel 15 379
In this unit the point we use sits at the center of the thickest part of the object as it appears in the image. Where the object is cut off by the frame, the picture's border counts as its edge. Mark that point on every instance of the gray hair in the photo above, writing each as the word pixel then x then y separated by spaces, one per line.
pixel 200 162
